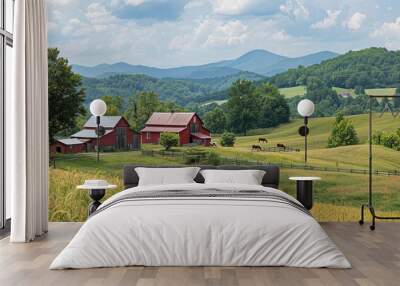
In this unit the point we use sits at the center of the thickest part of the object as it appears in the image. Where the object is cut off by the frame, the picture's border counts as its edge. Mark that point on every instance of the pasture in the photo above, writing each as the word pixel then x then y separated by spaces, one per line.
pixel 337 196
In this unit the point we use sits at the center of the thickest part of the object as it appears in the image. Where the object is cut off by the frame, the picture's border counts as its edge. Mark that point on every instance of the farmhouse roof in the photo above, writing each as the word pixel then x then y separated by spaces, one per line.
pixel 170 118
pixel 105 121
pixel 87 134
pixel 70 141
pixel 162 129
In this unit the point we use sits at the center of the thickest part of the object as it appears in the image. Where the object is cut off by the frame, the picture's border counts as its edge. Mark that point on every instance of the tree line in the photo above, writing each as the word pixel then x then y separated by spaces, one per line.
pixel 368 68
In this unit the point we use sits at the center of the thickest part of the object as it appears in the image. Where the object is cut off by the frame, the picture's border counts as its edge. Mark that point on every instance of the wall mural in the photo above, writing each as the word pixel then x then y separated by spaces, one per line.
pixel 203 84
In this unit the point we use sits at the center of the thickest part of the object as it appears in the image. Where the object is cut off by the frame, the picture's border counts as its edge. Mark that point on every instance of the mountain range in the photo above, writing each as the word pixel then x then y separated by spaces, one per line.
pixel 261 63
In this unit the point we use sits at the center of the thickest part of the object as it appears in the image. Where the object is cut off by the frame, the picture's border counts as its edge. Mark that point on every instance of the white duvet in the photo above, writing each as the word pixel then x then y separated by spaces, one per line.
pixel 202 232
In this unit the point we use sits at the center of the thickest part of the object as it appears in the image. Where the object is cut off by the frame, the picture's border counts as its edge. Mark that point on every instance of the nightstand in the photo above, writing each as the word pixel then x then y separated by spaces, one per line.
pixel 97 190
pixel 304 190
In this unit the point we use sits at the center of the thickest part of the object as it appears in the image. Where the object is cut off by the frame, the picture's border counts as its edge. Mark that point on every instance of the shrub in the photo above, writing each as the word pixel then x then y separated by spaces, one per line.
pixel 343 133
pixel 387 139
pixel 227 139
pixel 168 140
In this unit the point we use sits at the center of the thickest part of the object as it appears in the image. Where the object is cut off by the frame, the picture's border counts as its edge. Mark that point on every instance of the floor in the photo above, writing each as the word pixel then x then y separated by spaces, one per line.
pixel 375 257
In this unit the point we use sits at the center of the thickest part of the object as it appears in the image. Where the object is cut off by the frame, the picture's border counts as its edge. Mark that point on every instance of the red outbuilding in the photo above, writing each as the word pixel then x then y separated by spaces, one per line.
pixel 188 125
pixel 117 136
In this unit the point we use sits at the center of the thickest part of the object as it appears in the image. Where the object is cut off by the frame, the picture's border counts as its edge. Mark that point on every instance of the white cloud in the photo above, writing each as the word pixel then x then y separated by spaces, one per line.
pixel 230 33
pixel 295 9
pixel 231 7
pixel 355 22
pixel 134 2
pixel 329 21
pixel 388 30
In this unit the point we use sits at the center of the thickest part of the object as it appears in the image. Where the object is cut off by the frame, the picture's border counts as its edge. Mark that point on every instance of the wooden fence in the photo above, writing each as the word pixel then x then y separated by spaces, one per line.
pixel 237 161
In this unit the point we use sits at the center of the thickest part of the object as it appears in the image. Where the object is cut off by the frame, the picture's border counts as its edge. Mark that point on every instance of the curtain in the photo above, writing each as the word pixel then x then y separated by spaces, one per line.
pixel 27 124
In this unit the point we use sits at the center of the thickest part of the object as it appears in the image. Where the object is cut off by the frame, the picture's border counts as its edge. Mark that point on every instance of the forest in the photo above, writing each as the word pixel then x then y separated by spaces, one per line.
pixel 368 68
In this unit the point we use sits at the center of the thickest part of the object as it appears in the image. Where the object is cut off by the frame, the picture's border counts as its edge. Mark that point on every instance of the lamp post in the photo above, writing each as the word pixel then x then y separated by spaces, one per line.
pixel 306 109
pixel 98 108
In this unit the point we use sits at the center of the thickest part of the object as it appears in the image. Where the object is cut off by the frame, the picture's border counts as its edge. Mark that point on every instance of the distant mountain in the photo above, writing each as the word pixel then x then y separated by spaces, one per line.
pixel 259 62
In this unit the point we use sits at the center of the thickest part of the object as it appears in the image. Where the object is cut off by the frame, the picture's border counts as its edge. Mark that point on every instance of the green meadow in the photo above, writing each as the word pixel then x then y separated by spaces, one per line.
pixel 301 90
pixel 337 197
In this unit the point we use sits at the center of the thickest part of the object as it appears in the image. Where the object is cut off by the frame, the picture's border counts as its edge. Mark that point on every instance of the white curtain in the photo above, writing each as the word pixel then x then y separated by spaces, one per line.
pixel 27 124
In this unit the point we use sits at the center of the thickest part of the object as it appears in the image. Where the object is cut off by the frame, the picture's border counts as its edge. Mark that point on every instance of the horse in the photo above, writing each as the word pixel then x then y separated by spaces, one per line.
pixel 262 140
pixel 279 145
pixel 256 148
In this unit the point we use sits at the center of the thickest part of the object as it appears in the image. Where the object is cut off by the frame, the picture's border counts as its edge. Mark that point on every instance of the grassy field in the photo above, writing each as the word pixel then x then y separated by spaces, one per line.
pixel 301 90
pixel 289 92
pixel 337 196
pixel 320 129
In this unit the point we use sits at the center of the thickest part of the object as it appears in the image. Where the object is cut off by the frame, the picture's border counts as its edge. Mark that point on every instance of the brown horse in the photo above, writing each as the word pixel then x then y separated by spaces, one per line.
pixel 256 148
pixel 262 140
pixel 279 145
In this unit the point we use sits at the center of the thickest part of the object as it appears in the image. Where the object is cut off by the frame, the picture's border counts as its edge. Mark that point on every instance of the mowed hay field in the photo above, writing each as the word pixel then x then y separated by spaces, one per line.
pixel 355 156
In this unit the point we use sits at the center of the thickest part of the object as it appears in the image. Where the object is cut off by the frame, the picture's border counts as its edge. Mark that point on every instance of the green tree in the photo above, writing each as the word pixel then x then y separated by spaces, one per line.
pixel 169 140
pixel 66 94
pixel 274 108
pixel 242 106
pixel 141 106
pixel 227 139
pixel 343 132
pixel 215 120
pixel 115 105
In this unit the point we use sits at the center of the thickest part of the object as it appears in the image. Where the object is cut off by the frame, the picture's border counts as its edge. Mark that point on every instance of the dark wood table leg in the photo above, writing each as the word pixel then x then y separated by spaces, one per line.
pixel 96 195
pixel 305 193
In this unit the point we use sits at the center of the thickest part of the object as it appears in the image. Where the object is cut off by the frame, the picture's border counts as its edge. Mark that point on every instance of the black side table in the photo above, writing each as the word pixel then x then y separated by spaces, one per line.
pixel 304 190
pixel 96 193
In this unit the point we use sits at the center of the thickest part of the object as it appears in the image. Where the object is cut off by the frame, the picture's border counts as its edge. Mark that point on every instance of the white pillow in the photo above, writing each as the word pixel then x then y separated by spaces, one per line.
pixel 248 177
pixel 166 176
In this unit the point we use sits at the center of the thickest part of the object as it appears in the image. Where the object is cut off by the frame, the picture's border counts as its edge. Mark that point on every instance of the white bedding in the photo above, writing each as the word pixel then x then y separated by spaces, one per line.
pixel 200 231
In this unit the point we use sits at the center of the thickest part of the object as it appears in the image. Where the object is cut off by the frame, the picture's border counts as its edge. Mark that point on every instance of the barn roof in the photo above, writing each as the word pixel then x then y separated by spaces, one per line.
pixel 105 121
pixel 201 135
pixel 87 133
pixel 162 129
pixel 70 141
pixel 170 118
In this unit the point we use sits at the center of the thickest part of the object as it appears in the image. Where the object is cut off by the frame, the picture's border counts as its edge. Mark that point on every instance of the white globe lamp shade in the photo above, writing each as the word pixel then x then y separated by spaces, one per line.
pixel 305 108
pixel 98 107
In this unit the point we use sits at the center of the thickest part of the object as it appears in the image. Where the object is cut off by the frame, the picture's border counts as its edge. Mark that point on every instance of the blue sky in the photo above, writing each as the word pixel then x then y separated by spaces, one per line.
pixel 187 32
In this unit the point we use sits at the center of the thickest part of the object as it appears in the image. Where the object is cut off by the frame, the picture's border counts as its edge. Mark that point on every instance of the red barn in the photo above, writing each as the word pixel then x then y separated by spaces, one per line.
pixel 68 145
pixel 188 125
pixel 118 136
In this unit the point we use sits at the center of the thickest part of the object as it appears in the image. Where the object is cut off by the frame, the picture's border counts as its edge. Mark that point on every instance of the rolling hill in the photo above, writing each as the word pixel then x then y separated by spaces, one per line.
pixel 181 91
pixel 259 62
pixel 355 156
pixel 368 68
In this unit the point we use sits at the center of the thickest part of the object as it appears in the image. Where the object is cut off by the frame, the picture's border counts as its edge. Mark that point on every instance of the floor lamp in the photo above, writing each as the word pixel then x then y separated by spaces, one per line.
pixel 306 109
pixel 98 108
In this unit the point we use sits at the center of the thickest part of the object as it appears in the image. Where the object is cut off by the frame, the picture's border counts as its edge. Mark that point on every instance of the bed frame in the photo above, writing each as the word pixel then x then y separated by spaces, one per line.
pixel 270 179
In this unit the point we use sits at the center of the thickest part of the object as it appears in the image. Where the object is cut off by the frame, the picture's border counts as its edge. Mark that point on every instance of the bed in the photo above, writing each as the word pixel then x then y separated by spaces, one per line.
pixel 198 224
